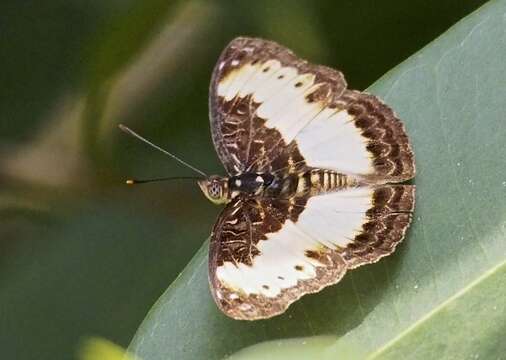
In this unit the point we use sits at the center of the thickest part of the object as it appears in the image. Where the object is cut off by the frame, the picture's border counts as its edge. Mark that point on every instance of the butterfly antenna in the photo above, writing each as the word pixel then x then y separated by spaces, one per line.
pixel 134 134
pixel 144 181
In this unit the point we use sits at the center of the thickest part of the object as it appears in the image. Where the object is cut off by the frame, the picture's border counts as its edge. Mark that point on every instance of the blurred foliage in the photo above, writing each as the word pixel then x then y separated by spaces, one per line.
pixel 81 254
pixel 102 349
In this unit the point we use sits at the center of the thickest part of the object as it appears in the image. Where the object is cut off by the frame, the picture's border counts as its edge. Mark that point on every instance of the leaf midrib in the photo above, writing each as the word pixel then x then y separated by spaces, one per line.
pixel 427 317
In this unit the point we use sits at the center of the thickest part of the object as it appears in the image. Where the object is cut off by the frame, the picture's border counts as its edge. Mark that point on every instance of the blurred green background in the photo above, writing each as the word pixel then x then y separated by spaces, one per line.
pixel 80 252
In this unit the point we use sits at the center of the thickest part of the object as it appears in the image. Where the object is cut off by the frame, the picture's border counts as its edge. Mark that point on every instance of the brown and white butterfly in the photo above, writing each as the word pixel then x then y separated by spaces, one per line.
pixel 309 192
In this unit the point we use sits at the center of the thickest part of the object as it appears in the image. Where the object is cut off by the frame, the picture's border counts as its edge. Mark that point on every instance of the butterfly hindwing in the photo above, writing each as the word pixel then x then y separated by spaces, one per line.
pixel 267 253
pixel 271 110
pixel 260 262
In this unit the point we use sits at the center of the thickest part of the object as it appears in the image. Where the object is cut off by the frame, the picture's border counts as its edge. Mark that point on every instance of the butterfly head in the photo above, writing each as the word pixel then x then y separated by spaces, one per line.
pixel 215 188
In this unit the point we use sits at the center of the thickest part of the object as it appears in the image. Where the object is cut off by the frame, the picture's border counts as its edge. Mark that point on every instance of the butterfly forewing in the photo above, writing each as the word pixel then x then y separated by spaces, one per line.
pixel 257 86
pixel 274 113
pixel 271 110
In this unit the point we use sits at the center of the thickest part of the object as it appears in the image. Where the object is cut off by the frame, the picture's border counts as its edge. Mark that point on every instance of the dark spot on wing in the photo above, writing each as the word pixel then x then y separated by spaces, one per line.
pixel 312 254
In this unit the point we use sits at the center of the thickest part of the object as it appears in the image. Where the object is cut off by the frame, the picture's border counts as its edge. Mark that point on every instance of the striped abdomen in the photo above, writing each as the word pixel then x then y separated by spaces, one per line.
pixel 312 182
pixel 317 181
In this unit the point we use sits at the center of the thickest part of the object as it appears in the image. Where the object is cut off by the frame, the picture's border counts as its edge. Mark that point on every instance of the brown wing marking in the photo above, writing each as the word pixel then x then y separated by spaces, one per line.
pixel 249 144
pixel 244 222
pixel 387 141
pixel 388 220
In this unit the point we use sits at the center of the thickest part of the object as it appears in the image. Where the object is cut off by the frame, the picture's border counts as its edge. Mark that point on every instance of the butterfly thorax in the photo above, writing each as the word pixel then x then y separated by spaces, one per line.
pixel 281 185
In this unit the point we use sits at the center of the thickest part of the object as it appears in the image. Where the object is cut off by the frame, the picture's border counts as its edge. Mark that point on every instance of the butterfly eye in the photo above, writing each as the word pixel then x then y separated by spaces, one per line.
pixel 214 190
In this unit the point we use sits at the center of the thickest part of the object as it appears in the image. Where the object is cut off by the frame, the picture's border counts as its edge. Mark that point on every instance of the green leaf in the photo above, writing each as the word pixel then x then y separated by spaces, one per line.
pixel 470 324
pixel 451 96
pixel 427 339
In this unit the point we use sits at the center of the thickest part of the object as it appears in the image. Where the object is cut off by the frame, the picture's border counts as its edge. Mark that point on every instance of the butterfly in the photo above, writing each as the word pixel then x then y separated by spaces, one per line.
pixel 312 189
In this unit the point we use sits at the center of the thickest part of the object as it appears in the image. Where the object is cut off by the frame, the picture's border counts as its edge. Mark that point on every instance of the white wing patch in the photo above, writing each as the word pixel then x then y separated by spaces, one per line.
pixel 332 141
pixel 285 100
pixel 327 138
pixel 328 221
pixel 279 79
pixel 335 219
pixel 281 263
